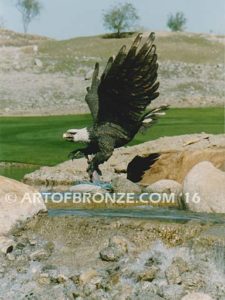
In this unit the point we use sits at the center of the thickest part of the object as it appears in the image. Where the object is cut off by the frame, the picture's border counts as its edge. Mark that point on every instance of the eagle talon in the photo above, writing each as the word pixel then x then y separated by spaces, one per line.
pixel 76 154
pixel 92 170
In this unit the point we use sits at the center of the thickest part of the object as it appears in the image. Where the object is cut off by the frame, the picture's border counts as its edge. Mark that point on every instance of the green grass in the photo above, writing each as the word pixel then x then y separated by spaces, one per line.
pixel 38 140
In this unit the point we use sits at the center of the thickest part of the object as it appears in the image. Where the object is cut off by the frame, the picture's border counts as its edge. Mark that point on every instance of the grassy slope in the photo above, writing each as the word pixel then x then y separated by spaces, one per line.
pixel 37 140
pixel 66 56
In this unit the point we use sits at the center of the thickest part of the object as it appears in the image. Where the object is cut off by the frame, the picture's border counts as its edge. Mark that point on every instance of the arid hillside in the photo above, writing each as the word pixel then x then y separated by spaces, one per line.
pixel 42 76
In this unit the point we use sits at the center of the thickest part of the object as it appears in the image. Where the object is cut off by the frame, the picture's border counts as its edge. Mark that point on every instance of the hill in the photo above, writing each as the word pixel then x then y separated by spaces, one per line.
pixel 41 76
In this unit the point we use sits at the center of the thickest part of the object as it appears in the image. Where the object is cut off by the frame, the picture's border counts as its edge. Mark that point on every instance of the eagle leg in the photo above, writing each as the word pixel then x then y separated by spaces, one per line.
pixel 106 148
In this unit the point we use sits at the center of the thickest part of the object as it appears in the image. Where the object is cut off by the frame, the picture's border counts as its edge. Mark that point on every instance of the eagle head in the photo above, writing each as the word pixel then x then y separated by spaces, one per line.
pixel 77 135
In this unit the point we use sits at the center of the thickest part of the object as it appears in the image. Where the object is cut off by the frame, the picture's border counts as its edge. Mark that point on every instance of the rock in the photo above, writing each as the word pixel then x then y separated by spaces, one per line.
pixel 123 185
pixel 38 63
pixel 197 296
pixel 111 253
pixel 204 189
pixel 44 279
pixel 173 292
pixel 145 295
pixel 32 242
pixel 120 242
pixel 177 163
pixel 6 245
pixel 175 270
pixel 192 280
pixel 124 292
pixel 155 259
pixel 173 275
pixel 165 186
pixel 88 289
pixel 87 275
pixel 181 264
pixel 117 247
pixel 61 278
pixel 39 255
pixel 148 274
pixel 86 188
pixel 10 256
pixel 18 202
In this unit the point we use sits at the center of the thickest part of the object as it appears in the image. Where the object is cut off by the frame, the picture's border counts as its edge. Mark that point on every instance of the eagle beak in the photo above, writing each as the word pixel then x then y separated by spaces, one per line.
pixel 68 136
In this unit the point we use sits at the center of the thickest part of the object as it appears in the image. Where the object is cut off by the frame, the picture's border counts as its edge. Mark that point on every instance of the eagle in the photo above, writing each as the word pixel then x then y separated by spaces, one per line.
pixel 118 101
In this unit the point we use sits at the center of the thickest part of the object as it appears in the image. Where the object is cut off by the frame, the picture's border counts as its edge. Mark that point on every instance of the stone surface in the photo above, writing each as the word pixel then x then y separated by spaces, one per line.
pixel 123 185
pixel 173 275
pixel 176 164
pixel 87 275
pixel 120 242
pixel 204 188
pixel 177 157
pixel 6 244
pixel 78 273
pixel 17 203
pixel 111 253
pixel 197 296
pixel 148 274
pixel 165 186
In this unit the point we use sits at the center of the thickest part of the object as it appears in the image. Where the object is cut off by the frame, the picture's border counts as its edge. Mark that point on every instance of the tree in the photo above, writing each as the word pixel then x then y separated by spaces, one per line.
pixel 29 9
pixel 177 22
pixel 120 18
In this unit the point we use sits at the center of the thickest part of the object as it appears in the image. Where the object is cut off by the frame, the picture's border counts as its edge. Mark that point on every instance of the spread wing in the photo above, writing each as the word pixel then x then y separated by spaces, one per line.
pixel 127 86
pixel 92 94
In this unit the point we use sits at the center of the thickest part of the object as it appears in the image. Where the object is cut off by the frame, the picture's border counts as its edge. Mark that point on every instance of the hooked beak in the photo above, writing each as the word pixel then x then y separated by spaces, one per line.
pixel 69 135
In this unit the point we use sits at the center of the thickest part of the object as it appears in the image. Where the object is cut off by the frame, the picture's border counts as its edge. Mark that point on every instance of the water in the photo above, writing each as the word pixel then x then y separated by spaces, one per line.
pixel 145 212
pixel 17 172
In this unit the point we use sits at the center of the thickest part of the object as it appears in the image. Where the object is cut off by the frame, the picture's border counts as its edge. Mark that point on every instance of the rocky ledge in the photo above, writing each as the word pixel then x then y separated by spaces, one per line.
pixel 177 155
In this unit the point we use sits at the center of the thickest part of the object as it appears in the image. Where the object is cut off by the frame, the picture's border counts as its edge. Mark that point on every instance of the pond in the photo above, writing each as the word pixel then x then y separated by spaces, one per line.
pixel 16 171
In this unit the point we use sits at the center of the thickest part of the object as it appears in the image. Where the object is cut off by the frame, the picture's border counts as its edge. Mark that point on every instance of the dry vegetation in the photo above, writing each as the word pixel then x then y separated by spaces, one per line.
pixel 44 76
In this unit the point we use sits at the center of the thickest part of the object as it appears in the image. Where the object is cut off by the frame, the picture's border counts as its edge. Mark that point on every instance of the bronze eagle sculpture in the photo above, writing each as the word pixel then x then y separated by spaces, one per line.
pixel 118 102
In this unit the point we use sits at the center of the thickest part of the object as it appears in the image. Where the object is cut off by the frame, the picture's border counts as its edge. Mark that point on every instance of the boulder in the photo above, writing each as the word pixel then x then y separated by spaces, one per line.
pixel 175 165
pixel 165 186
pixel 197 296
pixel 18 202
pixel 123 185
pixel 204 189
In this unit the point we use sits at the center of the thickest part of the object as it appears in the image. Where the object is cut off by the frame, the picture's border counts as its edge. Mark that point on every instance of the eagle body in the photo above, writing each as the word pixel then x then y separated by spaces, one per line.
pixel 118 102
